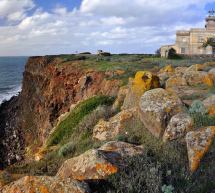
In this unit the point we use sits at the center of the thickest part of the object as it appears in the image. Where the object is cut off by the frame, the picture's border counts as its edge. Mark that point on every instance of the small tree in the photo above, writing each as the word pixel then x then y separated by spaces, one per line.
pixel 209 42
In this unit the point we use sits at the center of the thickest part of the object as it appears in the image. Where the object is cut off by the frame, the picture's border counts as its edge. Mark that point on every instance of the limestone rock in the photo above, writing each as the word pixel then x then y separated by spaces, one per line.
pixel 178 126
pixel 108 130
pixel 196 67
pixel 157 106
pixel 198 143
pixel 45 184
pixel 123 91
pixel 176 81
pixel 168 68
pixel 180 70
pixel 209 103
pixel 212 73
pixel 142 82
pixel 194 78
pixel 99 163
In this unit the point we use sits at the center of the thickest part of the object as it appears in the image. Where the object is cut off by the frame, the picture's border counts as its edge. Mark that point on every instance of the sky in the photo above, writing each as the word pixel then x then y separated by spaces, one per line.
pixel 42 27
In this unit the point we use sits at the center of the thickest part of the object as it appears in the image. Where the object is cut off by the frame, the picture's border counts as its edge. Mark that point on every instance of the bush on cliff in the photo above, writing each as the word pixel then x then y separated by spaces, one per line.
pixel 64 131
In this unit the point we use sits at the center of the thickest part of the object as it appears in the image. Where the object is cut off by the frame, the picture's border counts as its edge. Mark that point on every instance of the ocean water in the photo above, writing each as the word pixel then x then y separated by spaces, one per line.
pixel 11 73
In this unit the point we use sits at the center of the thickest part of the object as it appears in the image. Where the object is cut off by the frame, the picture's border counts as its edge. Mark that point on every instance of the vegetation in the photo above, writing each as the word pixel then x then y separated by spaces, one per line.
pixel 65 129
pixel 209 42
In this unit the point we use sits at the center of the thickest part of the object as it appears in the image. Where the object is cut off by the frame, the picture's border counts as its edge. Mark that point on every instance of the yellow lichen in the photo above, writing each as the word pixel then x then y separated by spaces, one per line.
pixel 168 68
pixel 144 81
pixel 208 80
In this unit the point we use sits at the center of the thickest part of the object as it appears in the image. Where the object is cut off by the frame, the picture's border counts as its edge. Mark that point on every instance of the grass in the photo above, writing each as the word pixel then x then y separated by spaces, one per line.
pixel 65 129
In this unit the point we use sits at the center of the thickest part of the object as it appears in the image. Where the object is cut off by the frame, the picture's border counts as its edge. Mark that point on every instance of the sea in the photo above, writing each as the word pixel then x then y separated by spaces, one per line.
pixel 11 74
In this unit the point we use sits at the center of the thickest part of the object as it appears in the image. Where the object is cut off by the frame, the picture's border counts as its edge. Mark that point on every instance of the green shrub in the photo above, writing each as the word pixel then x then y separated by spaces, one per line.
pixel 167 189
pixel 203 120
pixel 67 149
pixel 66 127
pixel 198 107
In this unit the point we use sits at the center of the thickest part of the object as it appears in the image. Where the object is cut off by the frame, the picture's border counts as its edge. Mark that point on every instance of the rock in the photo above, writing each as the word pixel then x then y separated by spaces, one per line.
pixel 198 144
pixel 99 163
pixel 212 73
pixel 194 78
pixel 45 184
pixel 209 103
pixel 108 130
pixel 157 106
pixel 196 67
pixel 167 68
pixel 122 148
pixel 178 126
pixel 180 70
pixel 175 81
pixel 142 82
pixel 120 98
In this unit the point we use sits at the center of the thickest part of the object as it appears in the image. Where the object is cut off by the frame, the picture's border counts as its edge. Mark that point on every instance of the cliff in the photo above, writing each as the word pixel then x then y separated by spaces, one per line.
pixel 50 86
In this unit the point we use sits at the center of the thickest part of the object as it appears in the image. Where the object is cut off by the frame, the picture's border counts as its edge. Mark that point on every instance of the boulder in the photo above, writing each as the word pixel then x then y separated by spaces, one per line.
pixel 45 184
pixel 142 82
pixel 168 68
pixel 123 91
pixel 195 78
pixel 100 163
pixel 198 144
pixel 180 70
pixel 165 73
pixel 196 67
pixel 157 106
pixel 175 81
pixel 108 130
pixel 209 103
pixel 178 126
pixel 212 73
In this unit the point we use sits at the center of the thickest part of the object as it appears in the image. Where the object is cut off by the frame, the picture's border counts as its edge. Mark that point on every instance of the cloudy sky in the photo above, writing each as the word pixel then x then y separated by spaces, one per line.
pixel 40 27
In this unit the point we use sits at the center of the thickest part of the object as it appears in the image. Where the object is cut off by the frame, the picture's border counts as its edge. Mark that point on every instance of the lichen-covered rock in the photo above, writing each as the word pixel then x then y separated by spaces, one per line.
pixel 123 91
pixel 45 184
pixel 142 82
pixel 175 81
pixel 122 148
pixel 196 67
pixel 178 126
pixel 180 70
pixel 108 130
pixel 198 144
pixel 157 106
pixel 194 78
pixel 209 103
pixel 99 163
pixel 167 68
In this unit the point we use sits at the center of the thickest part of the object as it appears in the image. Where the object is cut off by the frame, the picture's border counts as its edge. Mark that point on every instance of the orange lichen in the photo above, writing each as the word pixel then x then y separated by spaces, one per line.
pixel 211 110
pixel 43 189
pixel 106 168
pixel 167 68
pixel 208 80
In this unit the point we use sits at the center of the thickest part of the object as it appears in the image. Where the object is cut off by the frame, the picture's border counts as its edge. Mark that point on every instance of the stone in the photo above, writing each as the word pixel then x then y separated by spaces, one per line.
pixel 209 103
pixel 198 144
pixel 196 67
pixel 180 70
pixel 212 73
pixel 157 106
pixel 178 126
pixel 97 164
pixel 195 78
pixel 108 130
pixel 142 82
pixel 167 68
pixel 123 91
pixel 175 81
pixel 45 184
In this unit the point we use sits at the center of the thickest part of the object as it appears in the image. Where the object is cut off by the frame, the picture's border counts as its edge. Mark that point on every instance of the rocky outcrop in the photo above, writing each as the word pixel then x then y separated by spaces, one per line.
pixel 108 130
pixel 178 126
pixel 99 163
pixel 51 86
pixel 45 184
pixel 198 144
pixel 157 106
pixel 142 82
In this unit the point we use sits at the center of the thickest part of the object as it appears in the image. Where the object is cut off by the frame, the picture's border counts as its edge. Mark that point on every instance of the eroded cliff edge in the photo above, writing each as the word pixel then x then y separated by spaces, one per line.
pixel 51 84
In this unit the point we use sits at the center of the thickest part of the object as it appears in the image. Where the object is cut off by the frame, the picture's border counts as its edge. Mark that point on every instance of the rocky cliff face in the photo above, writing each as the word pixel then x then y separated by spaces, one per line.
pixel 50 87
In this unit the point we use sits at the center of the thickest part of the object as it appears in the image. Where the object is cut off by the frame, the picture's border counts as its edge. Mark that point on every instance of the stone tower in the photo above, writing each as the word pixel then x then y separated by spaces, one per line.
pixel 210 20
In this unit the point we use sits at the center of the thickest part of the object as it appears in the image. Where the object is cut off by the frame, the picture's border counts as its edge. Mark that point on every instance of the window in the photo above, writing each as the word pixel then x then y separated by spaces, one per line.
pixel 184 39
pixel 183 50
pixel 201 39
